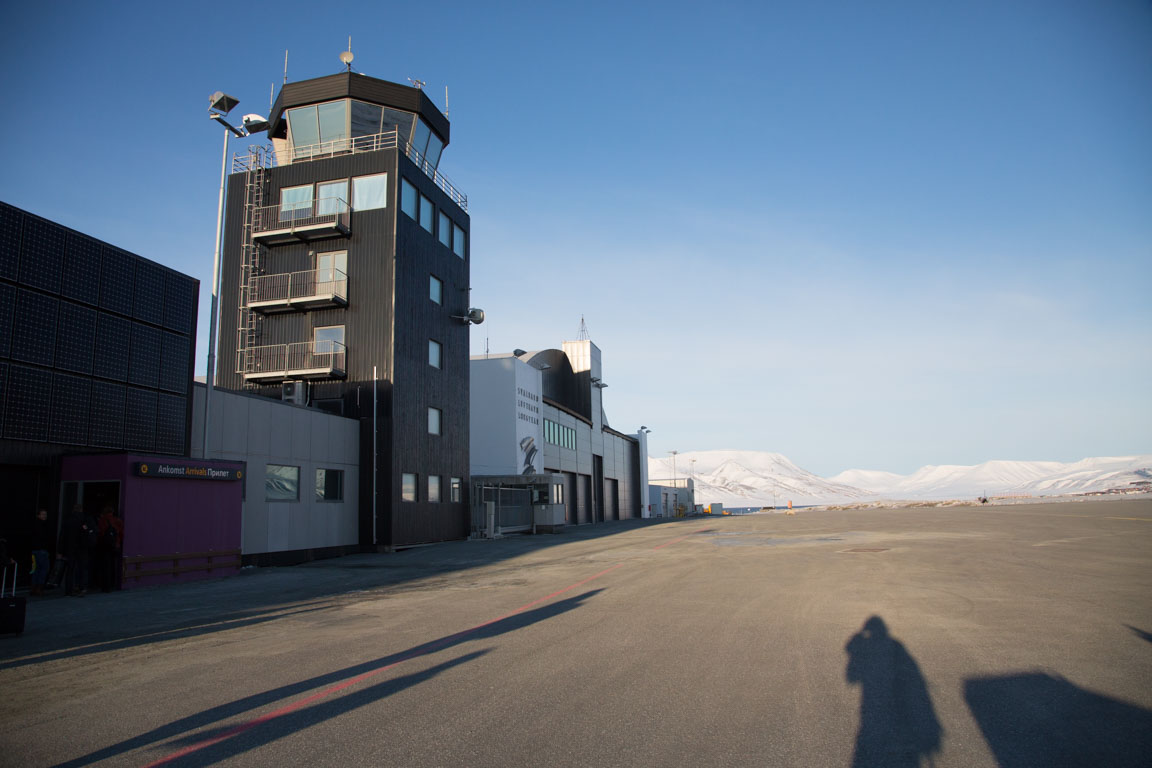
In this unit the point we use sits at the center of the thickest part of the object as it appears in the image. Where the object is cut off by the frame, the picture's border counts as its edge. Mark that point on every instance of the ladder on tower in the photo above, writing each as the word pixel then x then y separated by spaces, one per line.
pixel 248 323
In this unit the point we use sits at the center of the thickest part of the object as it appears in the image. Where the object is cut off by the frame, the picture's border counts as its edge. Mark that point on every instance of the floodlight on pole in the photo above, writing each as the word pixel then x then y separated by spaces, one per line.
pixel 220 104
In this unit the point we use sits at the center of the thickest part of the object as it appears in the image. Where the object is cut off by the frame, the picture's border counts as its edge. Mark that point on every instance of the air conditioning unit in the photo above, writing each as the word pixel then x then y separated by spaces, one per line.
pixel 294 392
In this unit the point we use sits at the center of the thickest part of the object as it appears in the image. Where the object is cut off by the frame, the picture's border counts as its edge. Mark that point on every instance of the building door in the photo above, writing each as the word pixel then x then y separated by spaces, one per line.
pixel 570 515
pixel 597 489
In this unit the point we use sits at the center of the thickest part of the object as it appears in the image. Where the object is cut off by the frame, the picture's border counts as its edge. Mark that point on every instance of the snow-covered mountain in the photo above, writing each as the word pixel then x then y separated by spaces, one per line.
pixel 752 478
pixel 1031 478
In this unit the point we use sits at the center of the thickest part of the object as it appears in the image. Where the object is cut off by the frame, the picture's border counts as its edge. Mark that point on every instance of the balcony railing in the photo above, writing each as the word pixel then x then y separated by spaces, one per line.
pixel 325 149
pixel 305 220
pixel 310 289
pixel 267 157
pixel 302 360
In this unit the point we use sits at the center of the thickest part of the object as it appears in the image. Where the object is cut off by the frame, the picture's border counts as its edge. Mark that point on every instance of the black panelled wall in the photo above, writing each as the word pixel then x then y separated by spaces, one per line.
pixel 96 352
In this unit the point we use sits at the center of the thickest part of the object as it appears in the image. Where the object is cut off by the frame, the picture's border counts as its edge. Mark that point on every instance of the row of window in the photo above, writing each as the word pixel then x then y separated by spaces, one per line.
pixel 409 488
pixel 560 435
pixel 282 483
pixel 331 197
pixel 335 126
pixel 420 209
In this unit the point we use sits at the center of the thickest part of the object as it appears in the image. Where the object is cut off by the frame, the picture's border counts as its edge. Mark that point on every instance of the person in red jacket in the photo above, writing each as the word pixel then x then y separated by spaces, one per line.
pixel 110 542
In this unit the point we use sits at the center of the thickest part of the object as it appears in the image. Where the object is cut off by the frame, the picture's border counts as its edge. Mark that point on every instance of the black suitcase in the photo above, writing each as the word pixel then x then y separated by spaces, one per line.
pixel 12 609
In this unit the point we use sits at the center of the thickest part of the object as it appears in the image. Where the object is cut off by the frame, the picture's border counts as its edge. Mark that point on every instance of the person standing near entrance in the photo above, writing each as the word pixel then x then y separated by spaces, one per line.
pixel 41 540
pixel 76 538
pixel 110 538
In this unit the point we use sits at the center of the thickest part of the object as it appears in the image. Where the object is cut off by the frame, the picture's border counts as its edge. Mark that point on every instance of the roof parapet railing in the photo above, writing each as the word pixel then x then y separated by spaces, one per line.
pixel 271 157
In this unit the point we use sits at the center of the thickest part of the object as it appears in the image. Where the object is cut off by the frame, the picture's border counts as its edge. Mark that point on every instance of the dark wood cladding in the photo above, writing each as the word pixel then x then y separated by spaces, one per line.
pixel 388 322
pixel 417 385
pixel 356 86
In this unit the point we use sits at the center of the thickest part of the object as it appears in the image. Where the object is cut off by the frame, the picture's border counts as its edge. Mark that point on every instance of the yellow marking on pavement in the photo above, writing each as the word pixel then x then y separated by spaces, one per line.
pixel 1141 519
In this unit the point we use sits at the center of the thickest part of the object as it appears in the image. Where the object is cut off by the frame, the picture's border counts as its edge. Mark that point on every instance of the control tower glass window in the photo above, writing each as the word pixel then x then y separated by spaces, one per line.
pixel 420 139
pixel 365 119
pixel 435 147
pixel 333 124
pixel 396 120
pixel 319 129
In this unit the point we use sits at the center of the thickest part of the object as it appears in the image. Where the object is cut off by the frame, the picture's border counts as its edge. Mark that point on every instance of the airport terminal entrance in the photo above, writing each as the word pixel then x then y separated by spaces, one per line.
pixel 93 497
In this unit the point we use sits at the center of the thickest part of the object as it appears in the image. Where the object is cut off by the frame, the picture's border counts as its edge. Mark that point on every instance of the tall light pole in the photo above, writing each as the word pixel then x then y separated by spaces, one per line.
pixel 219 105
pixel 674 474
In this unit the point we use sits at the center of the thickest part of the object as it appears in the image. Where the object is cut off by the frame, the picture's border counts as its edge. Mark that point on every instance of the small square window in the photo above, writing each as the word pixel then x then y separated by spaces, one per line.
pixel 408 486
pixel 281 483
pixel 332 197
pixel 370 192
pixel 296 203
pixel 435 353
pixel 329 485
pixel 433 487
pixel 434 416
pixel 444 230
pixel 435 289
pixel 426 213
pixel 458 241
pixel 409 199
pixel 328 339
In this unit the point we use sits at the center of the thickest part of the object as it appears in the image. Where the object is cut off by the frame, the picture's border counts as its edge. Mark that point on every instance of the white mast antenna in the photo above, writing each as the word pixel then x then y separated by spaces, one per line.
pixel 346 56
pixel 285 66
pixel 445 101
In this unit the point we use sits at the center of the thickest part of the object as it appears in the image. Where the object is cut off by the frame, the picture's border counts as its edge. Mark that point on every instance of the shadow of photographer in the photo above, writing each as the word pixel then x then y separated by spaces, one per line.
pixel 898 725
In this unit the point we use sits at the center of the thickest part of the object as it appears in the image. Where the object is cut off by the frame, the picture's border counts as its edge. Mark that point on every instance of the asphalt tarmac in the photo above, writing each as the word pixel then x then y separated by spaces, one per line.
pixel 971 636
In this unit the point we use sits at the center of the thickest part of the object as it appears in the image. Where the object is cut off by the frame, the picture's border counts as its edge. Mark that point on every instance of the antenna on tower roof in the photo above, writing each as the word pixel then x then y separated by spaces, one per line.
pixel 285 66
pixel 445 101
pixel 583 330
pixel 346 56
pixel 418 83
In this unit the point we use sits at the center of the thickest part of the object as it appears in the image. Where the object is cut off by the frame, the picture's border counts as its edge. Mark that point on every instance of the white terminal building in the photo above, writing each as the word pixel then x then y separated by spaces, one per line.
pixel 541 447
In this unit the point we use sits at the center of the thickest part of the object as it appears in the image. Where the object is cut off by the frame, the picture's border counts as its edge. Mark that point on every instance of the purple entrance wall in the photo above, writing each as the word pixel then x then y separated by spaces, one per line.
pixel 175 528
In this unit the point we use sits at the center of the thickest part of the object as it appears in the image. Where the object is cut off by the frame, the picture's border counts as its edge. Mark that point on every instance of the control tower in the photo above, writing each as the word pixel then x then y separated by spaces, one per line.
pixel 345 286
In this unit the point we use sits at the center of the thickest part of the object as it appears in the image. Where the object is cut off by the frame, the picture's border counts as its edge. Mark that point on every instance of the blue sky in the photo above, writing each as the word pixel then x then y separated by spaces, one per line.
pixel 865 235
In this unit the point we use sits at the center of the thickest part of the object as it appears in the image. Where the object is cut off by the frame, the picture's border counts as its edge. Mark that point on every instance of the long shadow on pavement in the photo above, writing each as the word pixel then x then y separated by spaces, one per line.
pixel 59 628
pixel 1033 718
pixel 180 632
pixel 190 744
pixel 1140 633
pixel 898 725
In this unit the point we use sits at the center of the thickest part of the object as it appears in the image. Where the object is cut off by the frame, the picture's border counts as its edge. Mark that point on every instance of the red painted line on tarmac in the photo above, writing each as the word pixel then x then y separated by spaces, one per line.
pixel 423 651
pixel 681 538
